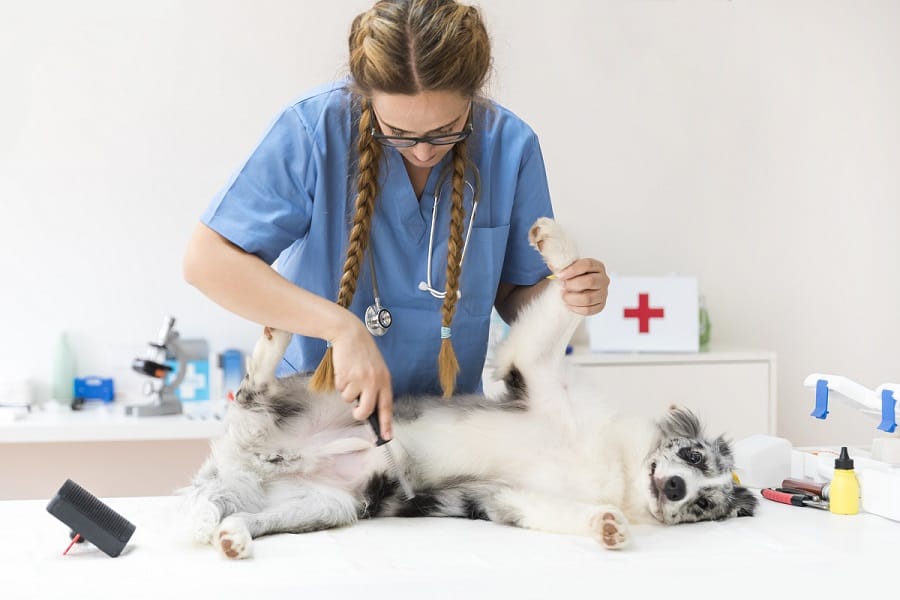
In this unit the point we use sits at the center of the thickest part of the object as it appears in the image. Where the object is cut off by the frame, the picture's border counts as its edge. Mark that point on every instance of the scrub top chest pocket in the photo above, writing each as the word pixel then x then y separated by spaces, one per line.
pixel 481 269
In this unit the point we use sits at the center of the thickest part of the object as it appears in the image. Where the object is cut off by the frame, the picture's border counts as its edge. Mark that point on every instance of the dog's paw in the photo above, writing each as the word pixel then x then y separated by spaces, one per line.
pixel 267 353
pixel 203 518
pixel 233 538
pixel 548 238
pixel 610 528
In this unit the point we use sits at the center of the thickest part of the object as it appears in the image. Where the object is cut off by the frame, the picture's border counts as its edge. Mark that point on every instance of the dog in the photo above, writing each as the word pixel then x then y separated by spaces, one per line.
pixel 296 461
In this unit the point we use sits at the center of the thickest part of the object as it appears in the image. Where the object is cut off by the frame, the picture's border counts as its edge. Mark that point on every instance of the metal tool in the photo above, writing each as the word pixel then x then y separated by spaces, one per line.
pixel 794 497
pixel 389 456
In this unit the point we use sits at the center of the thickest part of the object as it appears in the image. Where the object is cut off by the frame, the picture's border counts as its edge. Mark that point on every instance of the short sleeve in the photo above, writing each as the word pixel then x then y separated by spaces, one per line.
pixel 522 264
pixel 267 206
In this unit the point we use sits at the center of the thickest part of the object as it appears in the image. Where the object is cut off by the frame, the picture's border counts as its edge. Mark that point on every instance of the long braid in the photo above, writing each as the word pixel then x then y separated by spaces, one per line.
pixel 407 47
pixel 448 366
pixel 367 186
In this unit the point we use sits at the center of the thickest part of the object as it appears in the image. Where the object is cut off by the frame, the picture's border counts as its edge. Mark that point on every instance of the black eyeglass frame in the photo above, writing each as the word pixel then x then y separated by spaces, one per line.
pixel 443 139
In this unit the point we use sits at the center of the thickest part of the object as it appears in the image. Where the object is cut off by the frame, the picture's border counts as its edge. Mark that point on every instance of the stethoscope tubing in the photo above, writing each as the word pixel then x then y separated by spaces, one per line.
pixel 476 190
pixel 378 319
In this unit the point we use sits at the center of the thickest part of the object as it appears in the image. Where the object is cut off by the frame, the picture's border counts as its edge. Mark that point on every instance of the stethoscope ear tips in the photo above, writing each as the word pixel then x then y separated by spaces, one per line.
pixel 423 286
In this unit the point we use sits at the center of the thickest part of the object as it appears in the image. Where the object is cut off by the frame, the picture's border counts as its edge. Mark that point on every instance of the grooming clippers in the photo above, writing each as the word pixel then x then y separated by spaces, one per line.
pixel 90 519
pixel 794 497
pixel 389 456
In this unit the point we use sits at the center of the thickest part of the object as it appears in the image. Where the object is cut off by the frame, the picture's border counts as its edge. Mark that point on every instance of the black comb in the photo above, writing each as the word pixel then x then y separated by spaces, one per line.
pixel 90 518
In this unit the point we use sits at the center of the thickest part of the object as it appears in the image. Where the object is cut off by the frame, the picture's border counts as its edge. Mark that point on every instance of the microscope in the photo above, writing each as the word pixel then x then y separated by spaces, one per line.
pixel 164 401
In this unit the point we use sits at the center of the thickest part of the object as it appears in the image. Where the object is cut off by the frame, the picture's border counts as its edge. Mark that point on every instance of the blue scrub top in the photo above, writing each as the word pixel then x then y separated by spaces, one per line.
pixel 292 203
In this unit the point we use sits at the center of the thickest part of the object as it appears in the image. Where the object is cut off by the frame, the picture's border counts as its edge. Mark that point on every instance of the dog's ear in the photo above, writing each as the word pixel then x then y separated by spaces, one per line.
pixel 724 453
pixel 744 502
pixel 680 422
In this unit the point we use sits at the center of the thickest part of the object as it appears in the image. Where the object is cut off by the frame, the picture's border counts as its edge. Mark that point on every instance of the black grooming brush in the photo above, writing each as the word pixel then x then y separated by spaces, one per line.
pixel 90 519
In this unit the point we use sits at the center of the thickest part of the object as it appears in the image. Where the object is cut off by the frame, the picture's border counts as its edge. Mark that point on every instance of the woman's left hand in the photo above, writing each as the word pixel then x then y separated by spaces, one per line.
pixel 585 286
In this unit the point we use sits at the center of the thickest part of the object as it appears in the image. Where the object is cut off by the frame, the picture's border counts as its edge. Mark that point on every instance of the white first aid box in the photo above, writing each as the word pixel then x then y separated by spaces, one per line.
pixel 648 314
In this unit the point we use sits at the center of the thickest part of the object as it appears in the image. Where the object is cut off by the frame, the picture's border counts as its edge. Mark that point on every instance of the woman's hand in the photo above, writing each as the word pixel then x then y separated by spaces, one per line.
pixel 585 286
pixel 360 373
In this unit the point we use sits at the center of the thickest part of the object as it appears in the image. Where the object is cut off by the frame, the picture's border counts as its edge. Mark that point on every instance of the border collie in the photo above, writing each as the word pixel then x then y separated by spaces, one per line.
pixel 534 456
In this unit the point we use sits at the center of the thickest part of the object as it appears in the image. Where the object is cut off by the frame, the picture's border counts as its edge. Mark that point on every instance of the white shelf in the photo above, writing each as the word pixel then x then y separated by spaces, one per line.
pixel 732 389
pixel 55 423
pixel 584 356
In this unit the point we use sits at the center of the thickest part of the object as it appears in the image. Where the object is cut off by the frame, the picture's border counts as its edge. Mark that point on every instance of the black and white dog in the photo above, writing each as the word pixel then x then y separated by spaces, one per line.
pixel 534 457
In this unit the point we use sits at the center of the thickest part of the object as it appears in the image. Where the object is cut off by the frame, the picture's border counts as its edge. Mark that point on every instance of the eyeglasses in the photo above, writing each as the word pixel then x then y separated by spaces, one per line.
pixel 402 141
pixel 443 139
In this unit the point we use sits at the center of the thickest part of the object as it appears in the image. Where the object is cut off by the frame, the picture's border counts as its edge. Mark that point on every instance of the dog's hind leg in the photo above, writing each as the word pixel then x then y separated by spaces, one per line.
pixel 309 508
pixel 267 353
pixel 213 495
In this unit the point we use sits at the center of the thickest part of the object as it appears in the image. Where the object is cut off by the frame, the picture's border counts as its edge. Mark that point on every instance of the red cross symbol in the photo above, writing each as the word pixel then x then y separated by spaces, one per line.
pixel 644 313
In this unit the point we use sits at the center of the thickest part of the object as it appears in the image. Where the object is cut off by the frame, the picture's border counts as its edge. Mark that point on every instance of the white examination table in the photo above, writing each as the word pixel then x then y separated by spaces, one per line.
pixel 783 552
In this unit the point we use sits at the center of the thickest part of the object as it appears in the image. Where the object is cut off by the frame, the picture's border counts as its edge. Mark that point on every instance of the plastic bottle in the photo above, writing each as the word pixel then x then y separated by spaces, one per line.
pixel 704 322
pixel 64 372
pixel 843 496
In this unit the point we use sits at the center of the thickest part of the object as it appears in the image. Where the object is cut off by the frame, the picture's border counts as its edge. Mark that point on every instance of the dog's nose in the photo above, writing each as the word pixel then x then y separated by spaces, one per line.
pixel 674 488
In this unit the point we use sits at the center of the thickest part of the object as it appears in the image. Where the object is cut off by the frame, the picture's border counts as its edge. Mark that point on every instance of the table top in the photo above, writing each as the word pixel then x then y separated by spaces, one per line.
pixel 783 550
pixel 54 423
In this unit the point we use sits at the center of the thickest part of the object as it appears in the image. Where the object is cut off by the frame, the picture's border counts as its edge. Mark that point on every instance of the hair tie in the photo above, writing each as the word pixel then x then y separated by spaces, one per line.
pixel 445 333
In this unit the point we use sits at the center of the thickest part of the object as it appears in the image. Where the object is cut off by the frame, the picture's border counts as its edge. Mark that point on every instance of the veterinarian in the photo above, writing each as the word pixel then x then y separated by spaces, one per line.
pixel 386 169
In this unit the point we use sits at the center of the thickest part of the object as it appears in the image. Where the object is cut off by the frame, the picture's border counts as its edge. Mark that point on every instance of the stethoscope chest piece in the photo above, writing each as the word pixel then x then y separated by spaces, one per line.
pixel 378 319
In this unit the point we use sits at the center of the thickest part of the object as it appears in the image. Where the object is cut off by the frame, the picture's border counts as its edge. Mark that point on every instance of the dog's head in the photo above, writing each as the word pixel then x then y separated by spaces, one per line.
pixel 689 477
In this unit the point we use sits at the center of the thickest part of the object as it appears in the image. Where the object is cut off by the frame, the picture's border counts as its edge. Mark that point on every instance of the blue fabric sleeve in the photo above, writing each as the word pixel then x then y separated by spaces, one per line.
pixel 267 206
pixel 522 264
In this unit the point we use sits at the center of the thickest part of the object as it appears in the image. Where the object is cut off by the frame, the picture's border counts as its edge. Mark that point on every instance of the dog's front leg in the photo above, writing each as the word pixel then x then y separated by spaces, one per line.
pixel 537 340
pixel 532 510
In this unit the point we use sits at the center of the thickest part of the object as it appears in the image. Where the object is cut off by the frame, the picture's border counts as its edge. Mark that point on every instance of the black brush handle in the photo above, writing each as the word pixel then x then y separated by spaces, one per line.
pixel 86 515
pixel 376 426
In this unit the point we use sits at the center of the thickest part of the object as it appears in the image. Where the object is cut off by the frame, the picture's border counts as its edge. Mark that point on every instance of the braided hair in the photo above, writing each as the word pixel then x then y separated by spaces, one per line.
pixel 408 47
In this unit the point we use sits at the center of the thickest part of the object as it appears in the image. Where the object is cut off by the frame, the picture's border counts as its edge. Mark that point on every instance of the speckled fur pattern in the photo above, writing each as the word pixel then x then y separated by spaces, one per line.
pixel 533 457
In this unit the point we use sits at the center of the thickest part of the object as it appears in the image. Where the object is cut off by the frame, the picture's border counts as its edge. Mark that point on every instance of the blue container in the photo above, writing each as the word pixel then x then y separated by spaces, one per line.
pixel 232 364
pixel 95 388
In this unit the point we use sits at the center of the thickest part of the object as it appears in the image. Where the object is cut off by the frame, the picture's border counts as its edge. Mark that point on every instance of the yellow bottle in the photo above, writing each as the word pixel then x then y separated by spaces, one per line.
pixel 843 496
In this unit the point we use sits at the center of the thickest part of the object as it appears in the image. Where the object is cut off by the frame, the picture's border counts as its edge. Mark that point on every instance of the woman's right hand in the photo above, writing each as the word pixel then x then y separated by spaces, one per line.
pixel 360 373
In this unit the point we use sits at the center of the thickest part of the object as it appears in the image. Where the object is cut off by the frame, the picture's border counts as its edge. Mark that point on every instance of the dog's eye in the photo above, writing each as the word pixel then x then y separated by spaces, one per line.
pixel 691 456
pixel 703 503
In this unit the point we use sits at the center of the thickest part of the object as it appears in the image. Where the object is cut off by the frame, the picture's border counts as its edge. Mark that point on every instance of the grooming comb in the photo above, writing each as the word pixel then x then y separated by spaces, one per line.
pixel 389 456
pixel 90 519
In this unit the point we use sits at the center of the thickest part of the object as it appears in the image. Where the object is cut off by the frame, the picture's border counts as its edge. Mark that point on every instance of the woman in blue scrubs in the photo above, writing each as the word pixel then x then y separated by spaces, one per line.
pixel 403 179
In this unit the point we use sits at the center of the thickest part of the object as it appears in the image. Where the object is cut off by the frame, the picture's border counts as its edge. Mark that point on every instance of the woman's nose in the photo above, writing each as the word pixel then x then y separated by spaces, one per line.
pixel 422 151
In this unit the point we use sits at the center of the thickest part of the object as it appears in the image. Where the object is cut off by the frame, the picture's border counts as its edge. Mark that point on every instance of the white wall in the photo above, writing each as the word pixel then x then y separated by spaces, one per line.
pixel 755 144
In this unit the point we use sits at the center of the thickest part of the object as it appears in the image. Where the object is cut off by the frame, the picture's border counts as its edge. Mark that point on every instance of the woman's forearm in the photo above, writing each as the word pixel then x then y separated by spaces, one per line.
pixel 511 298
pixel 245 285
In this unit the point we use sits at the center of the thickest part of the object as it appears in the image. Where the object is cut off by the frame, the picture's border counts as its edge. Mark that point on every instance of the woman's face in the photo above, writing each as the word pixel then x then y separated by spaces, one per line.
pixel 425 114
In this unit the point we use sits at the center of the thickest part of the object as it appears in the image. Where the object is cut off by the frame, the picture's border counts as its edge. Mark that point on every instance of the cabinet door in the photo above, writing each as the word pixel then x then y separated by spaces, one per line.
pixel 729 398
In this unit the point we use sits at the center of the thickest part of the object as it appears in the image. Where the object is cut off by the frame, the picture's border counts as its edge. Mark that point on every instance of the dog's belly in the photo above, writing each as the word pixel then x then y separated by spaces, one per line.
pixel 523 450
pixel 349 471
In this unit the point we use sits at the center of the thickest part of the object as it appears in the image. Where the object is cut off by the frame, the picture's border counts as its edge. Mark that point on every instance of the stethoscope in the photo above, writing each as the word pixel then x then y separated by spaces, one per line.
pixel 378 319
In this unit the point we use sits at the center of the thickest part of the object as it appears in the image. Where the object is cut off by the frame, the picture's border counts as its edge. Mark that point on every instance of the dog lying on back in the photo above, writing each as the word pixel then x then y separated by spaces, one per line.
pixel 296 461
